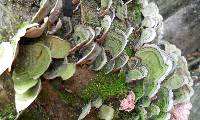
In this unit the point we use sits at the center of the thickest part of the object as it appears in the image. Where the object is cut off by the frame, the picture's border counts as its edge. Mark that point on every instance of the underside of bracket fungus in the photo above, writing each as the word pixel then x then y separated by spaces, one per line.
pixel 122 40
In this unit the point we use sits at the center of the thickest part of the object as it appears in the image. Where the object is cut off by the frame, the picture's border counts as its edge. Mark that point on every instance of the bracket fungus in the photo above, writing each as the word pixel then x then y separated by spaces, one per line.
pixel 59 48
pixel 157 65
pixel 6 56
pixel 85 111
pixel 106 112
pixel 102 34
pixel 136 74
pixel 22 101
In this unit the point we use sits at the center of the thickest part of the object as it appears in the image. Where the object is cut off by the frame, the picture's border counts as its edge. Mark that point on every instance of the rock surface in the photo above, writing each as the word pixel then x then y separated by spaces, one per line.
pixel 181 22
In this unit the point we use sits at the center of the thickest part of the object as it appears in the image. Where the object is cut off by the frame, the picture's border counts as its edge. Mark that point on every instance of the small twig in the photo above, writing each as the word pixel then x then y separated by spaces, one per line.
pixel 128 2
pixel 193 62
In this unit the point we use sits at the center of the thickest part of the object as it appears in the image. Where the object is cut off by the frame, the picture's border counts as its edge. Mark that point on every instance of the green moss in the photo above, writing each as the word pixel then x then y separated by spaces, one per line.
pixel 69 98
pixel 138 89
pixel 7 112
pixel 34 115
pixel 105 86
pixel 129 51
pixel 135 12
pixel 1 38
pixel 89 16
pixel 126 116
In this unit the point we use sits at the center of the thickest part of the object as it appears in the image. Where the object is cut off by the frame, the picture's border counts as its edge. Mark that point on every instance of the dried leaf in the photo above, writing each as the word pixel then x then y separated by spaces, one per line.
pixel 55 12
pixel 55 28
pixel 36 31
pixel 42 12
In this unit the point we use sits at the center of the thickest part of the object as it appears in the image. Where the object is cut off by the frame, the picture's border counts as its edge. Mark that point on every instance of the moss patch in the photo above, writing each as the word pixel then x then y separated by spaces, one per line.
pixel 129 51
pixel 105 86
pixel 8 112
pixel 69 98
pixel 134 12
pixel 137 12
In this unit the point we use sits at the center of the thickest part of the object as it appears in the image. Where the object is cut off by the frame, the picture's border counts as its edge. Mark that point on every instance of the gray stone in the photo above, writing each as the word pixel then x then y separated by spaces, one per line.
pixel 181 22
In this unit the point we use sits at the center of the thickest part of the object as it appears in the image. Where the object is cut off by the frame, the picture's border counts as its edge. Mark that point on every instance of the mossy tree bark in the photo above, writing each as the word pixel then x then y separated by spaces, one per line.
pixel 182 18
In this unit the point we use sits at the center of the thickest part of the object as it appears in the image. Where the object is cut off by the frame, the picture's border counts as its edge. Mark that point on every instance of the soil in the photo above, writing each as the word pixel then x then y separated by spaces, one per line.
pixel 81 78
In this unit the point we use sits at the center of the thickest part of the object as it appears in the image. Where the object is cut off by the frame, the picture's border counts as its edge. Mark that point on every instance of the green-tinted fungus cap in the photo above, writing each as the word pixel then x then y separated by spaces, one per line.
pixel 106 112
pixel 33 61
pixel 152 110
pixel 22 101
pixel 183 94
pixel 115 42
pixel 59 47
pixel 164 99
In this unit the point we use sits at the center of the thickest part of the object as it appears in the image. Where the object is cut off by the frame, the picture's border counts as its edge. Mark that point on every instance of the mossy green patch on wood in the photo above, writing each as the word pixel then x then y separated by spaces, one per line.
pixel 129 51
pixel 105 86
pixel 134 12
pixel 37 114
pixel 8 112
pixel 137 12
pixel 69 98
pixel 89 15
